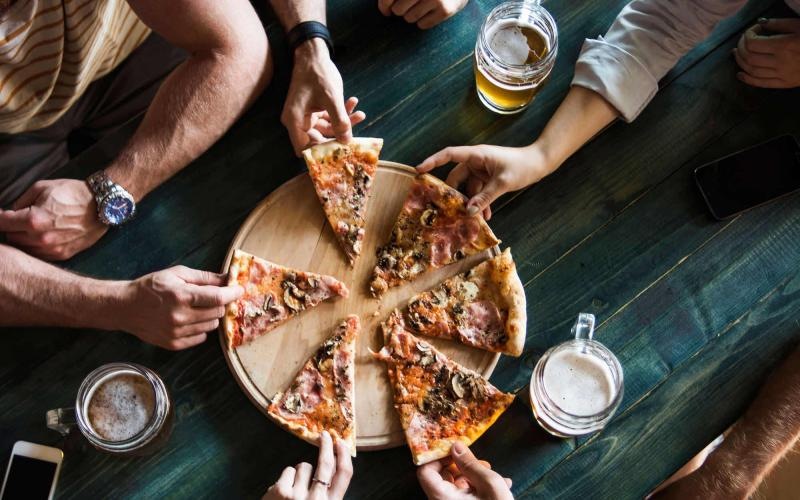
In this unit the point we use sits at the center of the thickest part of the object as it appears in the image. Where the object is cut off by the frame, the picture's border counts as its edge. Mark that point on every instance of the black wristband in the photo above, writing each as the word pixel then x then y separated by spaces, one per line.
pixel 306 31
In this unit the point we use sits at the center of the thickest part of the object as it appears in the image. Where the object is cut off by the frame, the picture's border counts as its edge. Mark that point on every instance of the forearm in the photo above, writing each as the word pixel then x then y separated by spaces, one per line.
pixel 581 115
pixel 193 108
pixel 759 440
pixel 292 12
pixel 34 293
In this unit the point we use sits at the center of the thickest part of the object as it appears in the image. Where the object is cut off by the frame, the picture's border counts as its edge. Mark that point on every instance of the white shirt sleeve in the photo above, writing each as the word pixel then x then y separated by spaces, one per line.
pixel 642 45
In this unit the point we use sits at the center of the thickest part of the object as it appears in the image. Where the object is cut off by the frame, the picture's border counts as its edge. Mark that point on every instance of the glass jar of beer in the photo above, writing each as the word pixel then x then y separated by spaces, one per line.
pixel 514 54
pixel 120 408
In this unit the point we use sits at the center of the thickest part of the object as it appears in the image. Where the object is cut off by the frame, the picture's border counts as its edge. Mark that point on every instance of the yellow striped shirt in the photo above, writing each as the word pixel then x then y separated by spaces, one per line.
pixel 51 50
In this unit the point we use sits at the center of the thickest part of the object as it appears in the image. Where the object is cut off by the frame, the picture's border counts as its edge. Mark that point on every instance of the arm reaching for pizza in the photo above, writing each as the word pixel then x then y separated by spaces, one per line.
pixel 487 172
pixel 315 108
pixel 227 68
pixel 329 482
pixel 462 477
pixel 172 309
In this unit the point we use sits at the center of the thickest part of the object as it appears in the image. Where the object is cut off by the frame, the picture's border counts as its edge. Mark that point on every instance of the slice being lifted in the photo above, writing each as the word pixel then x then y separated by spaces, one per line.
pixel 272 295
pixel 438 400
pixel 322 396
pixel 432 230
pixel 342 175
pixel 483 307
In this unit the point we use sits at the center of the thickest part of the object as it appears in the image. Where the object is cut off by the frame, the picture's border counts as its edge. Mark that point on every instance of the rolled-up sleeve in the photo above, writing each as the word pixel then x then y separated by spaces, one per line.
pixel 644 42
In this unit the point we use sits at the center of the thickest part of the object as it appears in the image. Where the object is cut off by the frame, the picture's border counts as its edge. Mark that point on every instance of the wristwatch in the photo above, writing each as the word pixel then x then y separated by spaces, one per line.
pixel 115 206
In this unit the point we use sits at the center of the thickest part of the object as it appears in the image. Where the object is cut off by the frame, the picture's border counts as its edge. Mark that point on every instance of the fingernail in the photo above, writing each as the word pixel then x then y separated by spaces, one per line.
pixel 762 20
pixel 459 448
pixel 472 210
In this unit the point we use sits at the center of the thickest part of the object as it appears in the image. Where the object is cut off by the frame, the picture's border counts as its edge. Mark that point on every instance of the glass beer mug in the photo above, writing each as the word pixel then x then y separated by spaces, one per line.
pixel 514 54
pixel 121 408
pixel 577 385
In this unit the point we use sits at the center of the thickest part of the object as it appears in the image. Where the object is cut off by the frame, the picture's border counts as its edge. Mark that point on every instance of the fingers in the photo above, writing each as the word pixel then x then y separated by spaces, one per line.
pixel 447 155
pixel 325 464
pixel 751 41
pixel 195 329
pixel 478 475
pixel 301 479
pixel 213 296
pixel 458 175
pixel 508 482
pixel 418 11
pixel 766 83
pixel 431 19
pixel 340 119
pixel 785 25
pixel 344 471
pixel 493 189
pixel 30 196
pixel 753 70
pixel 385 6
pixel 186 342
pixel 285 484
pixel 431 481
pixel 400 7
pixel 762 60
pixel 16 220
pixel 198 276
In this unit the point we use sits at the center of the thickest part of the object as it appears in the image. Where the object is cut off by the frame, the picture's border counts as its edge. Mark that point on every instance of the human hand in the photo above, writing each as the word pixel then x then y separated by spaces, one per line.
pixel 425 13
pixel 769 54
pixel 315 109
pixel 174 308
pixel 53 219
pixel 296 483
pixel 489 171
pixel 462 477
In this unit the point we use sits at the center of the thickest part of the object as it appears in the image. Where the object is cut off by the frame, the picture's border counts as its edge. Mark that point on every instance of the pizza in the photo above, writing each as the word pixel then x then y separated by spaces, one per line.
pixel 483 307
pixel 439 401
pixel 432 230
pixel 272 295
pixel 342 175
pixel 322 396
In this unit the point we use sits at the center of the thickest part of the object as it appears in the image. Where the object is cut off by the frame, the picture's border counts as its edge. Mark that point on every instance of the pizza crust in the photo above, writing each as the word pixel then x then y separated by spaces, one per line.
pixel 517 322
pixel 229 325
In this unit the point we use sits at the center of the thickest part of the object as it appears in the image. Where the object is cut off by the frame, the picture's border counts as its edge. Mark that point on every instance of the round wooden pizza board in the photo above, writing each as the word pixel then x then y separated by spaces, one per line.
pixel 289 228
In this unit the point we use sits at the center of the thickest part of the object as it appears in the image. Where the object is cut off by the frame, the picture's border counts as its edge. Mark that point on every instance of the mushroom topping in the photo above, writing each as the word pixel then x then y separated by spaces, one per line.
pixel 423 347
pixel 459 254
pixel 456 385
pixel 348 166
pixel 467 291
pixel 292 403
pixel 428 217
pixel 313 282
pixel 291 301
pixel 439 297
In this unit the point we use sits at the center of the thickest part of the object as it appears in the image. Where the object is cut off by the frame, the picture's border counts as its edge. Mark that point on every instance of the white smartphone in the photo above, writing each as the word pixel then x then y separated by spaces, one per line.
pixel 32 472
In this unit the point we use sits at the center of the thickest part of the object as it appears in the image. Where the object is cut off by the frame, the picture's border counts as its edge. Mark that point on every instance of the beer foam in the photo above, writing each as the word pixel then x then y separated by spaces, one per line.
pixel 579 383
pixel 121 406
pixel 510 44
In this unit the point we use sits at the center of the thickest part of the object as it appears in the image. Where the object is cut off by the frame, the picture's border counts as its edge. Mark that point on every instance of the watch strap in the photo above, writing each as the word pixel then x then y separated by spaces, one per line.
pixel 100 184
pixel 306 31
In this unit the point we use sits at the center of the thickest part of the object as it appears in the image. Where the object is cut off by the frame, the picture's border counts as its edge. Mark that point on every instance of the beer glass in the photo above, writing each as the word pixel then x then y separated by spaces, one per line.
pixel 514 54
pixel 150 434
pixel 577 385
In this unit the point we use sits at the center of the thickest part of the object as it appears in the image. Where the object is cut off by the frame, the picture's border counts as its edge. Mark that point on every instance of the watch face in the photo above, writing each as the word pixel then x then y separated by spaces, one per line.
pixel 117 210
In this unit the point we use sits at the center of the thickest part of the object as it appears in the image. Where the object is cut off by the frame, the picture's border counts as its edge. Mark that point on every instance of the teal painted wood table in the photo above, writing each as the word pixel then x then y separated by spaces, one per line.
pixel 697 310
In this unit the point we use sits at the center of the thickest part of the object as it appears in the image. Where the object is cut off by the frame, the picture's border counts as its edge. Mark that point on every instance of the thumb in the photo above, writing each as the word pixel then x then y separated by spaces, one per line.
pixel 784 25
pixel 481 201
pixel 479 476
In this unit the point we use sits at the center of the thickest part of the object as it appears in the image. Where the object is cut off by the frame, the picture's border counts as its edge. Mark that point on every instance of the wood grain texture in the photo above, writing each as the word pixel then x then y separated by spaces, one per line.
pixel 697 311
pixel 289 228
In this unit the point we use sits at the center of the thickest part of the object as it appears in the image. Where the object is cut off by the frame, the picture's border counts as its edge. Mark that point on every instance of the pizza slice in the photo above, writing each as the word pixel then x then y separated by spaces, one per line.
pixel 483 307
pixel 342 175
pixel 272 295
pixel 322 396
pixel 432 230
pixel 439 401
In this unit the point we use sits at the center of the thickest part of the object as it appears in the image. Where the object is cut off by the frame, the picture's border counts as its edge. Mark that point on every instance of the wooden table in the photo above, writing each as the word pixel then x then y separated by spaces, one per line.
pixel 698 311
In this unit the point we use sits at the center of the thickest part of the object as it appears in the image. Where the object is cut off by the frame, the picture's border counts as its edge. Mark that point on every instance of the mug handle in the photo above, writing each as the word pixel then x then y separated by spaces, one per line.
pixel 583 329
pixel 61 420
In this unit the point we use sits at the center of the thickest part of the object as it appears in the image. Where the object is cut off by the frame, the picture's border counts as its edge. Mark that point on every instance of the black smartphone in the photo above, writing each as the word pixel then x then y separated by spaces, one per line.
pixel 751 177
